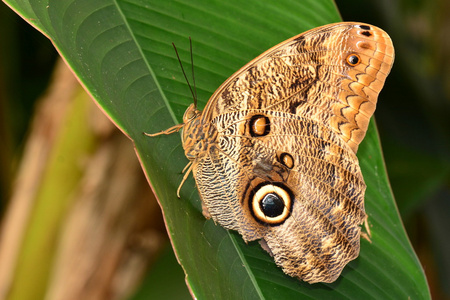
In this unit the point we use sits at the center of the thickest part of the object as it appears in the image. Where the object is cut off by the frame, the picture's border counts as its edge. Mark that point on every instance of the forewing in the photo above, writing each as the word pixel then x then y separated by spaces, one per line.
pixel 313 75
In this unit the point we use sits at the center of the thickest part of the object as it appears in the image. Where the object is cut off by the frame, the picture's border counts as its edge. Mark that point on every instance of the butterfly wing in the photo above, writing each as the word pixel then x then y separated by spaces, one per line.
pixel 332 74
pixel 278 156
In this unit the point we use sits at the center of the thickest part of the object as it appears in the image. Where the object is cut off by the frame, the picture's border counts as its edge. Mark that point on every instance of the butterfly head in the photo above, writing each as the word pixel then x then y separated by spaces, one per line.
pixel 191 113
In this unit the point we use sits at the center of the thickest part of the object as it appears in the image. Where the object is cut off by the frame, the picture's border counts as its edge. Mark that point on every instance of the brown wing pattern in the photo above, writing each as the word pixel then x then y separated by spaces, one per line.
pixel 321 234
pixel 274 152
pixel 310 76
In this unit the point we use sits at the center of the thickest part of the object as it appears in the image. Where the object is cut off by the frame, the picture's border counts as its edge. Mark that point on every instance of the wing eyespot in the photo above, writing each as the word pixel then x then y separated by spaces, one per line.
pixel 287 160
pixel 270 203
pixel 365 27
pixel 366 33
pixel 259 125
pixel 353 60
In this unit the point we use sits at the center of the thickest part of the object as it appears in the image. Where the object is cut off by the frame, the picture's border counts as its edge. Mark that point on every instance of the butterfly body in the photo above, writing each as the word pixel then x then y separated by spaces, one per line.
pixel 274 151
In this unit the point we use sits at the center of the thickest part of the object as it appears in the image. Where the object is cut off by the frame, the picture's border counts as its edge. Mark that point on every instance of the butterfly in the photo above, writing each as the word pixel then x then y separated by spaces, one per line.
pixel 273 153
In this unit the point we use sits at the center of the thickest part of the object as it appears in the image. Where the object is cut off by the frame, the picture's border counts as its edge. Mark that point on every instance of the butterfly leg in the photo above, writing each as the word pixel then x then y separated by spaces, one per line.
pixel 366 235
pixel 188 170
pixel 170 130
pixel 187 167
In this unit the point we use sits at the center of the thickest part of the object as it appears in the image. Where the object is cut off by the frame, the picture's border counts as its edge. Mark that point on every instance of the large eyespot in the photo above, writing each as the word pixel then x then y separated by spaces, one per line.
pixel 271 204
pixel 353 60
pixel 259 125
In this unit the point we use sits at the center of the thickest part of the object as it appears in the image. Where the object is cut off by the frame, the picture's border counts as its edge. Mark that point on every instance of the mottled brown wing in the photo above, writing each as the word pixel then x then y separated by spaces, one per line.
pixel 319 232
pixel 332 74
pixel 275 148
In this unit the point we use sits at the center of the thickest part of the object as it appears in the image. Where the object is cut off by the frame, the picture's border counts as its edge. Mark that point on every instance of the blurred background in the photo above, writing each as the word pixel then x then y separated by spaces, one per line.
pixel 413 118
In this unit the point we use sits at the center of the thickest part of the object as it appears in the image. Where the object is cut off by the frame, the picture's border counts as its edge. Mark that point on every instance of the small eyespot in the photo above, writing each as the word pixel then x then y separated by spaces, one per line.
pixel 363 45
pixel 353 60
pixel 366 33
pixel 365 27
pixel 259 125
pixel 287 160
pixel 271 204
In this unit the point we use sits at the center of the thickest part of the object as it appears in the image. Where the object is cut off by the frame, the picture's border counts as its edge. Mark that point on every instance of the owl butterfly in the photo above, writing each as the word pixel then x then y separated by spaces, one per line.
pixel 273 152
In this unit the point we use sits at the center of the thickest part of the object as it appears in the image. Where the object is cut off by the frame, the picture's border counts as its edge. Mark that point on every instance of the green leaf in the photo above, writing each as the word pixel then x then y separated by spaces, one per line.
pixel 122 53
pixel 165 270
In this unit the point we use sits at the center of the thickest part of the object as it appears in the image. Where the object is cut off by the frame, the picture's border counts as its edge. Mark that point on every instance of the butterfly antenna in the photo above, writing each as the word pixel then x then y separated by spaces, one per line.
pixel 193 76
pixel 185 77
